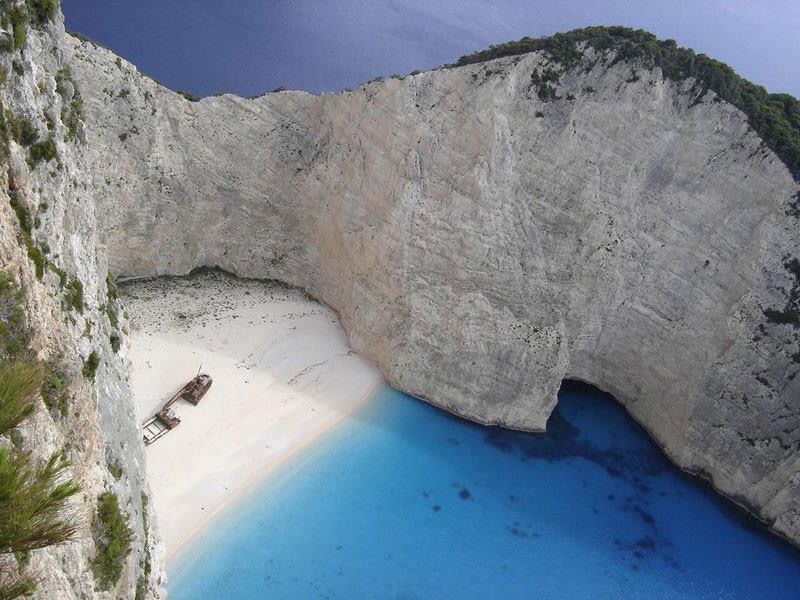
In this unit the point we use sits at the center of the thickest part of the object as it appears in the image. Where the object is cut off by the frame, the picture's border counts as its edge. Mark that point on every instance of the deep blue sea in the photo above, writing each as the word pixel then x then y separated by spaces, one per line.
pixel 407 501
pixel 251 46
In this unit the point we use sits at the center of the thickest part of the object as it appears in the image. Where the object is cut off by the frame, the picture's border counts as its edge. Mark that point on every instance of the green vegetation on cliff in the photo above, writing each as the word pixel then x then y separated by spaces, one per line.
pixel 16 16
pixel 32 493
pixel 775 117
pixel 113 540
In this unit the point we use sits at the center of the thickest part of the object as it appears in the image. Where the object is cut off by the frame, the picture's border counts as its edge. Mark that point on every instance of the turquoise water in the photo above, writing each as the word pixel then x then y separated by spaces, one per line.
pixel 406 501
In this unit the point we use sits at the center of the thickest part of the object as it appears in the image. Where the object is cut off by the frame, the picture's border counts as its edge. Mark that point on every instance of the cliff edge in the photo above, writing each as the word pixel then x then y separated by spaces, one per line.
pixel 488 230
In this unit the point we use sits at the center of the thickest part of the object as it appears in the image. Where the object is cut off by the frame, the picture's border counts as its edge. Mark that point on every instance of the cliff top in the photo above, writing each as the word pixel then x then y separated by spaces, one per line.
pixel 775 117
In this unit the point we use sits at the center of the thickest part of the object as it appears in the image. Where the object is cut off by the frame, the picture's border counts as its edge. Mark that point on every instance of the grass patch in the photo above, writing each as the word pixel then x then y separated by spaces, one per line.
pixel 113 540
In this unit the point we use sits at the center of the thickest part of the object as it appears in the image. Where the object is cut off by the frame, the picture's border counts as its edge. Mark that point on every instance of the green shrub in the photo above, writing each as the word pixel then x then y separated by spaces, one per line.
pixel 775 117
pixel 39 261
pixel 62 275
pixel 72 115
pixel 73 295
pixel 72 111
pixel 14 334
pixel 115 342
pixel 23 214
pixel 546 92
pixel 32 497
pixel 28 133
pixel 111 313
pixel 7 45
pixel 18 17
pixel 42 11
pixel 16 588
pixel 114 468
pixel 32 494
pixel 112 291
pixel 54 389
pixel 21 129
pixel 189 95
pixel 20 381
pixel 90 365
pixel 113 541
pixel 43 151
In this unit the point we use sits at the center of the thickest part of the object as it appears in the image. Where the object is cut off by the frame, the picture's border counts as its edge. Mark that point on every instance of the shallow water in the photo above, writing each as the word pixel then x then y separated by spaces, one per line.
pixel 406 501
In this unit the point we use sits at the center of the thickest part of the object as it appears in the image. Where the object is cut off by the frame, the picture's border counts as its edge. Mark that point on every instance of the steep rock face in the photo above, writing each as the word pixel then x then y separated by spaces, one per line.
pixel 95 426
pixel 481 244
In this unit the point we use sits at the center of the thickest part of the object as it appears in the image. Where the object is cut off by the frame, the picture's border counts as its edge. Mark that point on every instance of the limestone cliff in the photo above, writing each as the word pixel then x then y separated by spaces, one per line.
pixel 482 235
pixel 49 246
pixel 482 240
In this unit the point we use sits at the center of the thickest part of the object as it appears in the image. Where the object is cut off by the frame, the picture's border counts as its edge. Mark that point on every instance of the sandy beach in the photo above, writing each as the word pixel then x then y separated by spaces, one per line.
pixel 283 374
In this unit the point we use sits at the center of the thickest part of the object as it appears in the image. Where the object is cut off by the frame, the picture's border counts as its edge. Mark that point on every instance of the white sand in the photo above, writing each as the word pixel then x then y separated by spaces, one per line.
pixel 283 374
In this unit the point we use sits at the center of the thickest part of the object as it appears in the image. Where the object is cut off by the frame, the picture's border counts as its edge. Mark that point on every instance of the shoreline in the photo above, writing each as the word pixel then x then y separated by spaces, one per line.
pixel 283 375
pixel 264 472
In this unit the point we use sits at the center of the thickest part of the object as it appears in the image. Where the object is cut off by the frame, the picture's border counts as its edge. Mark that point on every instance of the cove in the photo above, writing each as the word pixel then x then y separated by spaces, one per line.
pixel 403 500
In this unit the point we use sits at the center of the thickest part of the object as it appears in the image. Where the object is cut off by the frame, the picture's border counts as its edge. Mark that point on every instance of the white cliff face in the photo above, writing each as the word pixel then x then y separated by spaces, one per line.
pixel 481 245
pixel 96 426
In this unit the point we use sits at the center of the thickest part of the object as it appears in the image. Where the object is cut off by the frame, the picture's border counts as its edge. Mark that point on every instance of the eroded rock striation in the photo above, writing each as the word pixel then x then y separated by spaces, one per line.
pixel 483 241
